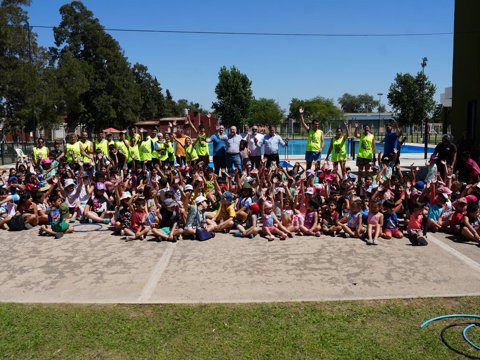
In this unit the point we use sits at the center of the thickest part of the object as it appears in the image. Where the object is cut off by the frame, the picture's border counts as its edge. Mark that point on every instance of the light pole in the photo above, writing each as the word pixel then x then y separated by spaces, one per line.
pixel 29 38
pixel 422 101
pixel 379 103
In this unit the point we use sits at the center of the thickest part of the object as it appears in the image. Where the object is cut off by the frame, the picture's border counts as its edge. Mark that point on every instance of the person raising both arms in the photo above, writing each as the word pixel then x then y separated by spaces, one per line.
pixel 366 150
pixel 338 149
pixel 315 140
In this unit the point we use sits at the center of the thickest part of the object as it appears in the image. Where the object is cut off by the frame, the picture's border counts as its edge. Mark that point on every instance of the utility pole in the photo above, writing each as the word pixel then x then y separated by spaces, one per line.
pixel 425 135
pixel 30 55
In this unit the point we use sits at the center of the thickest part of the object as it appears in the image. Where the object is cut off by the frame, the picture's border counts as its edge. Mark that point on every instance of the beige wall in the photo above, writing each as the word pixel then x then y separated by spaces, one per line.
pixel 466 72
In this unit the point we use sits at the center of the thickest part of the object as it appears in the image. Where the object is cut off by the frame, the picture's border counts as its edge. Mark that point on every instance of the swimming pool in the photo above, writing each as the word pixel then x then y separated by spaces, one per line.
pixel 297 147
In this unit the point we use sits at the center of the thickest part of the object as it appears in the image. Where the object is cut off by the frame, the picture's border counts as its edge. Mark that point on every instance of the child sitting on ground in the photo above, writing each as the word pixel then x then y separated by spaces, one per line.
pixel 352 223
pixel 390 223
pixel 251 228
pixel 416 229
pixel 374 223
pixel 330 219
pixel 470 224
pixel 137 229
pixel 56 223
pixel 311 224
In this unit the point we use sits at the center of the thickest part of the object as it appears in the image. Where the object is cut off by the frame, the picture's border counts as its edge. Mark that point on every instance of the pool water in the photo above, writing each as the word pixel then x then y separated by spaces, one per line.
pixel 297 147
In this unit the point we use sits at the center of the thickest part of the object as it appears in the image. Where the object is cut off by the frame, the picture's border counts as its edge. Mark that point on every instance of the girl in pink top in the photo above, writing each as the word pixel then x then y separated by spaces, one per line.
pixel 375 223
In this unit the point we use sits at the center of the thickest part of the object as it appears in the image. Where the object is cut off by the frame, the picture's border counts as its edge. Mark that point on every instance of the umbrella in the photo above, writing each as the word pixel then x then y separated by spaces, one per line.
pixel 111 130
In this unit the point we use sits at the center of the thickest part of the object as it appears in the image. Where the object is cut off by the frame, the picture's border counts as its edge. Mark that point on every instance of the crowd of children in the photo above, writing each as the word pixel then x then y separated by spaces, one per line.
pixel 158 198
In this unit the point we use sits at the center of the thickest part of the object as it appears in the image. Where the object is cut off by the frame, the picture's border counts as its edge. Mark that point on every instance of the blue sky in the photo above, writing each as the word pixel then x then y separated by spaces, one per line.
pixel 279 67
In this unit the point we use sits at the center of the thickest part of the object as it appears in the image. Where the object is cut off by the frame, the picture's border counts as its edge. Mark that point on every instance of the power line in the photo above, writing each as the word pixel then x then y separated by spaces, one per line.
pixel 197 32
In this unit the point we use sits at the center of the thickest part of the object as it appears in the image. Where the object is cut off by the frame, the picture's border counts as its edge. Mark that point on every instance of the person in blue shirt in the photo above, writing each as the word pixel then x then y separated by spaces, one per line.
pixel 219 154
pixel 391 139
pixel 271 143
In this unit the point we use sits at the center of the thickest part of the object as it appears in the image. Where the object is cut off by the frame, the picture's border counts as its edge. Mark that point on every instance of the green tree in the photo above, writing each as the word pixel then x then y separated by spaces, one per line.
pixel 170 105
pixel 318 108
pixel 153 102
pixel 363 103
pixel 113 97
pixel 27 81
pixel 411 97
pixel 266 112
pixel 234 96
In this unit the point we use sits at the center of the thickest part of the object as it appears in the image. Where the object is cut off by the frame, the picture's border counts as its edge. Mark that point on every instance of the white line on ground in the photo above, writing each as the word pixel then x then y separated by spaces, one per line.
pixel 156 274
pixel 470 262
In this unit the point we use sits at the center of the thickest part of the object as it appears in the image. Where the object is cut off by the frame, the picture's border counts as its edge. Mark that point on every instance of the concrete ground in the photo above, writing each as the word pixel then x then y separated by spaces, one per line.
pixel 96 267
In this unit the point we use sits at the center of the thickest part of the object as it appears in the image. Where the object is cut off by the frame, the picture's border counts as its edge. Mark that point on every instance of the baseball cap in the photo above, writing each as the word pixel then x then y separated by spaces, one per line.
pixel 228 196
pixel 471 199
pixel 310 191
pixel 420 185
pixel 126 195
pixel 200 199
pixel 254 207
pixel 46 161
pixel 246 186
pixel 444 190
pixel 310 172
pixel 169 203
pixel 188 187
pixel 69 182
pixel 100 186
pixel 462 200
pixel 12 178
pixel 44 188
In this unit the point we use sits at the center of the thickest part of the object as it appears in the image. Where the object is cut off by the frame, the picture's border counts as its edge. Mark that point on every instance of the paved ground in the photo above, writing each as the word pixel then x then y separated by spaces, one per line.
pixel 96 267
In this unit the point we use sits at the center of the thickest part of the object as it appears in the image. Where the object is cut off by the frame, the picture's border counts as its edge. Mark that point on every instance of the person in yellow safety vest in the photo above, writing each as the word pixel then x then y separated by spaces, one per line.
pixel 366 150
pixel 191 155
pixel 72 150
pixel 101 143
pixel 134 140
pixel 145 149
pixel 338 149
pixel 315 140
pixel 86 148
pixel 201 143
pixel 155 137
pixel 110 140
pixel 39 152
pixel 167 153
pixel 122 146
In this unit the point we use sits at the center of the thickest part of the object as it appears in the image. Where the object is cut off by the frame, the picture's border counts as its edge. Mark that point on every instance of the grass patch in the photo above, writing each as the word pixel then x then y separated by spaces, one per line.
pixel 326 330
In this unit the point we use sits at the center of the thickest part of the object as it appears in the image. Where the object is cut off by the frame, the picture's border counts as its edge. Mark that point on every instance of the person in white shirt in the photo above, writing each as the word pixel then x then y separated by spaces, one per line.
pixel 254 144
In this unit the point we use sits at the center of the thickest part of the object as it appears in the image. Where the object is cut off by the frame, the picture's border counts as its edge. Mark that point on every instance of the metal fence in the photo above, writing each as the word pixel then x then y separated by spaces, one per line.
pixel 8 152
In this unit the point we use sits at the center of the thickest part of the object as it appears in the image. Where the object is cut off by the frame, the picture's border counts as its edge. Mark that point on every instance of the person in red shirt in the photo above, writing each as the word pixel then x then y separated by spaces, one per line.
pixel 460 207
pixel 472 167
pixel 137 229
pixel 330 219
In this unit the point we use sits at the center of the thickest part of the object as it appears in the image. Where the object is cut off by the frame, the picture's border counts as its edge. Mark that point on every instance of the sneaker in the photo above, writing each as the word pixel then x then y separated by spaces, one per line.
pixel 290 235
pixel 28 226
pixel 72 220
pixel 251 236
pixel 374 242
pixel 175 239
pixel 122 232
pixel 413 240
pixel 106 221
pixel 422 241
pixel 369 242
pixel 317 234
pixel 334 234
pixel 238 234
pixel 347 235
pixel 130 238
pixel 41 232
pixel 58 235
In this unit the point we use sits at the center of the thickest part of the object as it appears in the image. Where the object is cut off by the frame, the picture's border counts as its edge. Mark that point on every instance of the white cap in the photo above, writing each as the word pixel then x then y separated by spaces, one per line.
pixel 310 191
pixel 188 187
pixel 69 182
pixel 126 195
pixel 199 199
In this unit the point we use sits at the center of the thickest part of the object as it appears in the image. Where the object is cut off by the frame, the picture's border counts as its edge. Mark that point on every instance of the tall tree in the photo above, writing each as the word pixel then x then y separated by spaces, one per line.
pixel 266 112
pixel 363 103
pixel 113 97
pixel 151 93
pixel 318 108
pixel 234 96
pixel 27 81
pixel 411 97
pixel 170 105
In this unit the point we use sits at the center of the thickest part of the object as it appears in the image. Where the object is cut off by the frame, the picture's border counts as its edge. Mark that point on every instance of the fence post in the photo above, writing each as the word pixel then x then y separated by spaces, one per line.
pixel 352 148
pixel 2 152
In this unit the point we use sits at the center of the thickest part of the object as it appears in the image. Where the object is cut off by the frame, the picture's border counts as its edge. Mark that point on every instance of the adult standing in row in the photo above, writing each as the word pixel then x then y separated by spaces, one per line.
pixel 391 139
pixel 219 155
pixel 366 150
pixel 338 149
pixel 232 148
pixel 315 140
pixel 39 152
pixel 272 142
pixel 254 146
